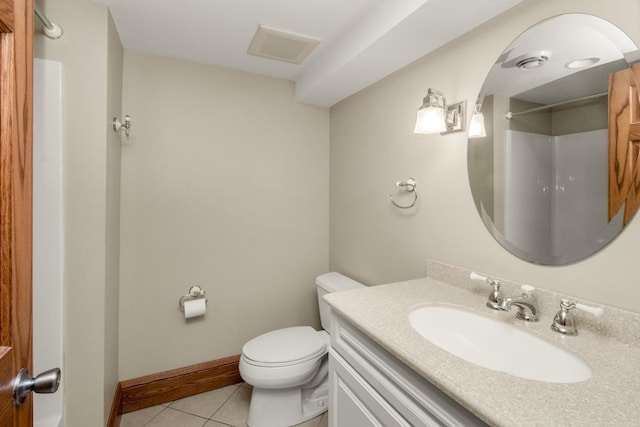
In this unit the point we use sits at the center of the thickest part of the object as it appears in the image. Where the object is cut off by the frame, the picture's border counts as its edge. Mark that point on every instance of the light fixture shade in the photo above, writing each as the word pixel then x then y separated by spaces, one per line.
pixel 476 127
pixel 435 116
pixel 430 120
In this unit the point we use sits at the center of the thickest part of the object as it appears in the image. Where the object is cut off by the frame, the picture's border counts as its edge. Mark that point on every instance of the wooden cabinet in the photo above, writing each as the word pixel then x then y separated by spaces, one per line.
pixel 624 142
pixel 370 387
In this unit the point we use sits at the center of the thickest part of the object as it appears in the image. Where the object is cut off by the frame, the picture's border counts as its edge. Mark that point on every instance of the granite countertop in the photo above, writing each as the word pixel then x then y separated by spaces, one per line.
pixel 610 397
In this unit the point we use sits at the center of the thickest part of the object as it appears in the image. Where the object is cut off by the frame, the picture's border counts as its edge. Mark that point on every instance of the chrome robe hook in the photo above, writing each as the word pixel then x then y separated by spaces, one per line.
pixel 122 126
pixel 410 187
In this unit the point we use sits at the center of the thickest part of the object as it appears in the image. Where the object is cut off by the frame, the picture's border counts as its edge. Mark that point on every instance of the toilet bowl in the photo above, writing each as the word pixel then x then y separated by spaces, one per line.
pixel 288 368
pixel 284 358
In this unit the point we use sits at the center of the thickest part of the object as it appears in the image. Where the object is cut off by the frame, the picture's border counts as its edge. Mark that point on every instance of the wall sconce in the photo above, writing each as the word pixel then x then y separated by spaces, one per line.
pixel 476 127
pixel 435 116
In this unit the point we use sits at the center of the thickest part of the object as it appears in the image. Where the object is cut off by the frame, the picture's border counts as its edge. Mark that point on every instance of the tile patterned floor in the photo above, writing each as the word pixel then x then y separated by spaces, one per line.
pixel 224 407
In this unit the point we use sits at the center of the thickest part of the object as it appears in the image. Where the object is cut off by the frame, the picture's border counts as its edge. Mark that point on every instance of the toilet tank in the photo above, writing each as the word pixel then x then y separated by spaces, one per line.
pixel 332 282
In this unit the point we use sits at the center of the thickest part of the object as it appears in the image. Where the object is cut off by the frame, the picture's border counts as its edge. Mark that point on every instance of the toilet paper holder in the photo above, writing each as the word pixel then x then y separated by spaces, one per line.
pixel 195 292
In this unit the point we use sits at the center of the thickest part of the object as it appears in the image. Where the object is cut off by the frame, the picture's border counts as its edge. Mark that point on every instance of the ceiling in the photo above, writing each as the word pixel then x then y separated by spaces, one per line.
pixel 563 39
pixel 361 41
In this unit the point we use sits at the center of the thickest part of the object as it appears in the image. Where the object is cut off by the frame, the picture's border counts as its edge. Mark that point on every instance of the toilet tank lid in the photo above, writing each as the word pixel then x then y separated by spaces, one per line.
pixel 333 282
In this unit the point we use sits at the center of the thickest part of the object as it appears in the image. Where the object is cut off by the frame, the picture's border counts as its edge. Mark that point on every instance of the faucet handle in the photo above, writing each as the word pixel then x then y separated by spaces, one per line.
pixel 595 311
pixel 479 277
pixel 495 297
pixel 563 321
pixel 527 289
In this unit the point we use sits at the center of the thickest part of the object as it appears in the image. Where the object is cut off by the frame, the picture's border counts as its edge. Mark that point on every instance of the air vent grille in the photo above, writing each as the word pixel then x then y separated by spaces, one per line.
pixel 281 45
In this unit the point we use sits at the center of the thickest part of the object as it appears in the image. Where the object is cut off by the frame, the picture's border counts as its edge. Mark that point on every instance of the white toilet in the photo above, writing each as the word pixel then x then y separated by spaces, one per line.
pixel 288 367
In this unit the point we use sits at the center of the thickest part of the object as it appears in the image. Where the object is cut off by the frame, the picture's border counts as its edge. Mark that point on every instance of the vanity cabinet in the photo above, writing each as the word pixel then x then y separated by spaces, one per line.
pixel 370 387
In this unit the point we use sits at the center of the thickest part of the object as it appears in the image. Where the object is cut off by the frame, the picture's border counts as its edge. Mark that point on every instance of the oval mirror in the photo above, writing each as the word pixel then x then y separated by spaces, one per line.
pixel 555 174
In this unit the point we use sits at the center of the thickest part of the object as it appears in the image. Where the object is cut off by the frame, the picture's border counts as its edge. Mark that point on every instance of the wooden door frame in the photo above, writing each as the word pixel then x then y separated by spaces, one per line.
pixel 16 138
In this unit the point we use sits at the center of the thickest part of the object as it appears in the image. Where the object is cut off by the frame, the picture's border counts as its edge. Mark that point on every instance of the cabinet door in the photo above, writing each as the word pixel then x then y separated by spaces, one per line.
pixel 415 400
pixel 354 402
pixel 624 142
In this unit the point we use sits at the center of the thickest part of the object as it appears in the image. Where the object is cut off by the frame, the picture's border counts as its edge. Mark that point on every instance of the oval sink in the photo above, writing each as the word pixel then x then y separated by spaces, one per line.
pixel 497 345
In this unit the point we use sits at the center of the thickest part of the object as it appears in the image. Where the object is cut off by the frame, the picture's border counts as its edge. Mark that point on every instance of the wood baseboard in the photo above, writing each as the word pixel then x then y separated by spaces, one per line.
pixel 151 390
pixel 114 415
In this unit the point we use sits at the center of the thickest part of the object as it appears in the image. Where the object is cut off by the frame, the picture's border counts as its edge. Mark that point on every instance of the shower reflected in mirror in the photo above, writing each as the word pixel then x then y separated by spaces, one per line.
pixel 541 177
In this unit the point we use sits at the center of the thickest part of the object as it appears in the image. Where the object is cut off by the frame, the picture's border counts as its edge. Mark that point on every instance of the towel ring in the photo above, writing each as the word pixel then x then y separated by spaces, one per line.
pixel 410 187
pixel 195 292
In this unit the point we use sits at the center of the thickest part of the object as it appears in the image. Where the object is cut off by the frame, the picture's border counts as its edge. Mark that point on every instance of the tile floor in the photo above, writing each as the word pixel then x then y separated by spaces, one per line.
pixel 224 407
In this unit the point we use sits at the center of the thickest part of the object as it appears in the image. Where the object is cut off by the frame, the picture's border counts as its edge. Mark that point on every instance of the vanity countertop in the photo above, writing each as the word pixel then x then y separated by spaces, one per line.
pixel 610 397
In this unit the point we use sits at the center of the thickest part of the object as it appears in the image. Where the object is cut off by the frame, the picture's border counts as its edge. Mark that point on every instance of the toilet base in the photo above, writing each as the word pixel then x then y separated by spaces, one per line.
pixel 287 407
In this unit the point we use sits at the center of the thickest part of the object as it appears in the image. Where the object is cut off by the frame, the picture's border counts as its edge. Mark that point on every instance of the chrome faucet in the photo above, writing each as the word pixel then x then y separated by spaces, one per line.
pixel 526 303
pixel 563 321
pixel 495 297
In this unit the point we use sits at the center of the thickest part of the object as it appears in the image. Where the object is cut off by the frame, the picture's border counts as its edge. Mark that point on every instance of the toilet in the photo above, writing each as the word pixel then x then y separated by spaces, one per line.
pixel 288 368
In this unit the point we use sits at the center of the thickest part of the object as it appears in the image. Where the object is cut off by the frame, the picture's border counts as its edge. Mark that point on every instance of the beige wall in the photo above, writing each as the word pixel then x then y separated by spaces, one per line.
pixel 581 118
pixel 535 122
pixel 372 147
pixel 90 53
pixel 115 57
pixel 225 184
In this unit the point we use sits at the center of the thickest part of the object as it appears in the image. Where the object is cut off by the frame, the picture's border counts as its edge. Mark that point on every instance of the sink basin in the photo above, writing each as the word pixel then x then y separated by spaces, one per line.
pixel 497 345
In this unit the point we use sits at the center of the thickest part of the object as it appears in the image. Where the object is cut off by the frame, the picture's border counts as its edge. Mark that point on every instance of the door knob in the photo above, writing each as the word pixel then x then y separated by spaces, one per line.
pixel 46 382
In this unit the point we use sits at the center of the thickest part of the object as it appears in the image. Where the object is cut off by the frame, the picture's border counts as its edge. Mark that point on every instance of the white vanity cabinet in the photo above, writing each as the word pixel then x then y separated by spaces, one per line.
pixel 370 387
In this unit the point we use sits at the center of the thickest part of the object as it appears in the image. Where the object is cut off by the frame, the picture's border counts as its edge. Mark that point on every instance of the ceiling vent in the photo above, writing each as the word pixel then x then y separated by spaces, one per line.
pixel 533 60
pixel 281 45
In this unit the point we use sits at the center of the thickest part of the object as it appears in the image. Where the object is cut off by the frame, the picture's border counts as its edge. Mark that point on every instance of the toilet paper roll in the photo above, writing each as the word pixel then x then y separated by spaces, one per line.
pixel 194 307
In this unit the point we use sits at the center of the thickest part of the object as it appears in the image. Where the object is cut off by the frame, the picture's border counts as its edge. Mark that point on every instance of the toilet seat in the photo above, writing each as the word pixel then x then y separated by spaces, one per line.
pixel 283 358
pixel 286 347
